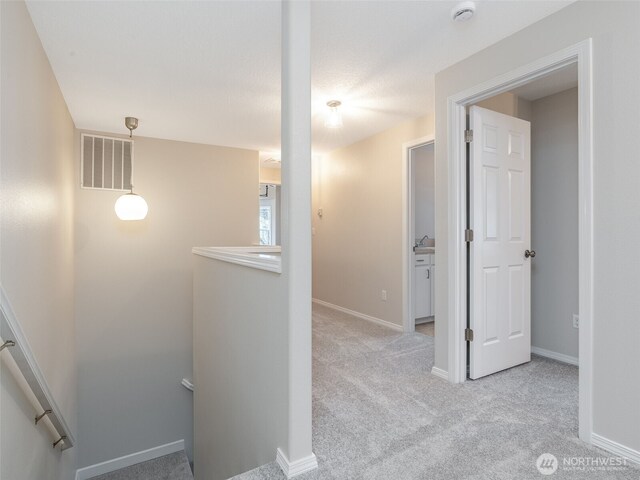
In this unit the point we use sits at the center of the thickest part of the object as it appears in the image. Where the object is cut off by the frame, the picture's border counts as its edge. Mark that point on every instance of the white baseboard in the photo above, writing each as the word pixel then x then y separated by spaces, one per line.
pixel 560 357
pixel 438 372
pixel 293 469
pixel 128 460
pixel 423 321
pixel 363 316
pixel 615 448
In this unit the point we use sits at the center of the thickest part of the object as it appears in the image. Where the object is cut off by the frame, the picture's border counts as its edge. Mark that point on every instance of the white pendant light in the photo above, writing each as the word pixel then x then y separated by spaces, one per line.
pixel 334 119
pixel 131 206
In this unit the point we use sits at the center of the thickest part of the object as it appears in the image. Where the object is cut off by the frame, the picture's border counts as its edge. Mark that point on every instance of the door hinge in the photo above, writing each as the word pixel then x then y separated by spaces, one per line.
pixel 468 136
pixel 468 335
pixel 468 235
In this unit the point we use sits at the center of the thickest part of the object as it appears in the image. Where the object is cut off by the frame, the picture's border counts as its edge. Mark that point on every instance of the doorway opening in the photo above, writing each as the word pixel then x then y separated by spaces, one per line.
pixel 421 160
pixel 418 237
pixel 522 179
pixel 462 297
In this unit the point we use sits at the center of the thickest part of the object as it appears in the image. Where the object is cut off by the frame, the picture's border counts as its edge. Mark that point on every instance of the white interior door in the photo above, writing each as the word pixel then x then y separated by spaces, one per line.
pixel 500 216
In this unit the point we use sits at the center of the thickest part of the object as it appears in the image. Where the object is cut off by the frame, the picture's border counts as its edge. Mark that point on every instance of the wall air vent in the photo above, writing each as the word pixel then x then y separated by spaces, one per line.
pixel 106 163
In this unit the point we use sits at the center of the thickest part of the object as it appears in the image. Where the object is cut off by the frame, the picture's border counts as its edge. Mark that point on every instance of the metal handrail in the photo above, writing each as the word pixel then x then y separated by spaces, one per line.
pixel 15 342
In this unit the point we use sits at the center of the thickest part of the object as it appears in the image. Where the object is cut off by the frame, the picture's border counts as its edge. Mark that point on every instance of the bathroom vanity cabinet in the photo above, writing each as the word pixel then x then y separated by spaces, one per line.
pixel 424 282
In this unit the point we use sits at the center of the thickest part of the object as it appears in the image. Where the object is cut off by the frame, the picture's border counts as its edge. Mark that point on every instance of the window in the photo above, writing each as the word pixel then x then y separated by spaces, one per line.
pixel 268 221
pixel 266 225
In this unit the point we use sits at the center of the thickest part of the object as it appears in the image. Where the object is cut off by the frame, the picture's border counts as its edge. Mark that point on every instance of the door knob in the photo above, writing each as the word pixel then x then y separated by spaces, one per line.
pixel 529 253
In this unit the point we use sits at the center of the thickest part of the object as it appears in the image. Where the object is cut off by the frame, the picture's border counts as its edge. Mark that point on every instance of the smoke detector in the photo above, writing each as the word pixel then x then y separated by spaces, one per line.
pixel 463 12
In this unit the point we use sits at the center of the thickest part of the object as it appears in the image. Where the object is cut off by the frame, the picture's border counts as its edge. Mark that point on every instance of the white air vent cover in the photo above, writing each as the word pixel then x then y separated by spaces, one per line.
pixel 106 163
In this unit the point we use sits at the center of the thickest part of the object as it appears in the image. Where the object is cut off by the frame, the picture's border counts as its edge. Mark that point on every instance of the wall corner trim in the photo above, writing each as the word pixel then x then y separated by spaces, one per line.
pixel 128 460
pixel 438 372
pixel 363 316
pixel 615 448
pixel 560 357
pixel 293 469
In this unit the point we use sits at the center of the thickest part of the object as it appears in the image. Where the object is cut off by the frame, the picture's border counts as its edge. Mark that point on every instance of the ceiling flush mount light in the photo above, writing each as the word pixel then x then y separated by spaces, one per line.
pixel 273 161
pixel 334 120
pixel 131 206
pixel 463 12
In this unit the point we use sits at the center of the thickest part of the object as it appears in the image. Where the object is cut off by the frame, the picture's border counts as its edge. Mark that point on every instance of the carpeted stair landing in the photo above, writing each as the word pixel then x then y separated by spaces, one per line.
pixel 174 466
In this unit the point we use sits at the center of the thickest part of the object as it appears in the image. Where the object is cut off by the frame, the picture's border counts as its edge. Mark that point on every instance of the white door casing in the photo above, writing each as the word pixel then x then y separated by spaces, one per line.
pixel 500 216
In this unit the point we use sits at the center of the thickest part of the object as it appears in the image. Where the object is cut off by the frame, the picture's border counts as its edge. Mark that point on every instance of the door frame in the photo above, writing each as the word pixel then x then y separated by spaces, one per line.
pixel 408 229
pixel 580 54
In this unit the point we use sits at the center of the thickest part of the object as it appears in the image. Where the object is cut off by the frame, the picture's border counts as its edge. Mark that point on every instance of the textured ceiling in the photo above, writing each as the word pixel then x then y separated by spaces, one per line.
pixel 209 71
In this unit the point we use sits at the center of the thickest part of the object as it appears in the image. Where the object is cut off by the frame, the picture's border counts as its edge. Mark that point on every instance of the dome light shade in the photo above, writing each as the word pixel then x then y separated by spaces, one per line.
pixel 131 207
pixel 334 118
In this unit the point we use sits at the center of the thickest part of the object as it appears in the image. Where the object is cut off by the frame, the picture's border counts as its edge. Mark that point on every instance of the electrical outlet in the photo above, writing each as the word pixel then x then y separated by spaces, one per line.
pixel 576 321
pixel 383 295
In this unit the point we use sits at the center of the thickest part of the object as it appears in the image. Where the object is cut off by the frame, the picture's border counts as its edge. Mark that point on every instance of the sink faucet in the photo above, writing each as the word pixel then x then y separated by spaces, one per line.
pixel 420 243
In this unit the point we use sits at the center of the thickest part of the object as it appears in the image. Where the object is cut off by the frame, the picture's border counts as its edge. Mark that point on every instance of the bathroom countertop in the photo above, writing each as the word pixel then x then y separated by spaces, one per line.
pixel 423 250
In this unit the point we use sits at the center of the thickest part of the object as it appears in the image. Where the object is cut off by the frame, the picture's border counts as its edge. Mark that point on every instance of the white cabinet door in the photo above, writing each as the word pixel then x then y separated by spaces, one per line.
pixel 432 281
pixel 500 270
pixel 422 291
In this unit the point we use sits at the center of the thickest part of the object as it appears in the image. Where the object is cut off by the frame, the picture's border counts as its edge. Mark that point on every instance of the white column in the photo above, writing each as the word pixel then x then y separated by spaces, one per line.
pixel 296 227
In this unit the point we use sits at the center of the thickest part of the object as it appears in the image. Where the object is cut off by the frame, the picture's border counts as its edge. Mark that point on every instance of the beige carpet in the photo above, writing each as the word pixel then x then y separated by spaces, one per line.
pixel 379 413
pixel 426 328
pixel 174 466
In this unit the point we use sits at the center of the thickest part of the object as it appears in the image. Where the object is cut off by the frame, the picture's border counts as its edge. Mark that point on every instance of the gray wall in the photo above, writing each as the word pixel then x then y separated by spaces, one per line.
pixel 613 26
pixel 240 367
pixel 424 191
pixel 134 290
pixel 36 256
pixel 506 103
pixel 509 104
pixel 554 218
